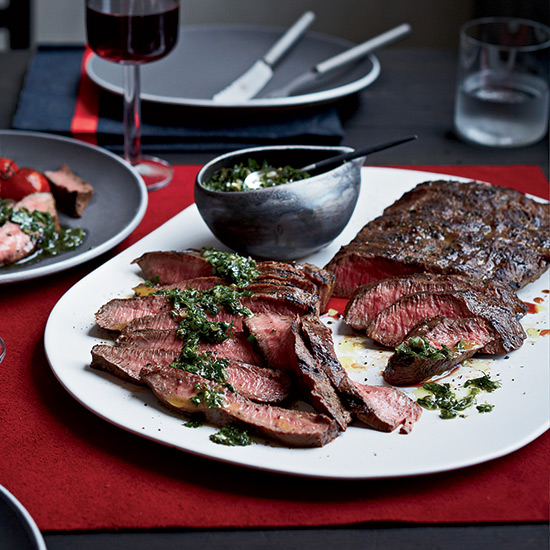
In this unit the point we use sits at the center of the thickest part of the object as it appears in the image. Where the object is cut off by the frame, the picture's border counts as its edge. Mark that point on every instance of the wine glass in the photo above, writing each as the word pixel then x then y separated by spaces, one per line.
pixel 132 32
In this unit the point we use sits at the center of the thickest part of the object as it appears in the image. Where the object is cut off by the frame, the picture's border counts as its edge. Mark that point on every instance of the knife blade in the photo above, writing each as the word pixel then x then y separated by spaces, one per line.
pixel 255 78
pixel 340 60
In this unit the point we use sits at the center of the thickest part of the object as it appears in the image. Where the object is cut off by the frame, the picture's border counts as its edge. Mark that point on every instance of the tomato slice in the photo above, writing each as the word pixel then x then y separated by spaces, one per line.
pixel 24 182
pixel 7 168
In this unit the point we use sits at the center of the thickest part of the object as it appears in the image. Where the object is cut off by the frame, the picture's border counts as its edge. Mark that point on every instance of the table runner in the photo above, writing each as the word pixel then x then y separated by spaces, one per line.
pixel 75 471
pixel 70 103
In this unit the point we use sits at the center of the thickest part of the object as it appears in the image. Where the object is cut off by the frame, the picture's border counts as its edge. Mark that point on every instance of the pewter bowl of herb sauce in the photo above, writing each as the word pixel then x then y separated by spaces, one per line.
pixel 287 221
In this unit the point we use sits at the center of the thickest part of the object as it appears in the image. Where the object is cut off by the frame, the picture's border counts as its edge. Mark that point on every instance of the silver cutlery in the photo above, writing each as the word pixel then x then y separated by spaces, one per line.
pixel 255 78
pixel 340 60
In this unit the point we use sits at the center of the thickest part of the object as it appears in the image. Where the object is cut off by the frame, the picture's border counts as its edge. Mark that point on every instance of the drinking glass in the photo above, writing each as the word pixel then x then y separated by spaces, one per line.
pixel 130 33
pixel 503 79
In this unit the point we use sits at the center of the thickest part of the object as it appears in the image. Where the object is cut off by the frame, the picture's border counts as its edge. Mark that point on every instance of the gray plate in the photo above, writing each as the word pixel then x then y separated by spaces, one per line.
pixel 17 528
pixel 209 57
pixel 118 205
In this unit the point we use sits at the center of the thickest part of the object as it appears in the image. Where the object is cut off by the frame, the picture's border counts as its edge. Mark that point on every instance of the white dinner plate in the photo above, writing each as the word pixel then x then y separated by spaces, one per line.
pixel 521 405
pixel 118 204
pixel 207 58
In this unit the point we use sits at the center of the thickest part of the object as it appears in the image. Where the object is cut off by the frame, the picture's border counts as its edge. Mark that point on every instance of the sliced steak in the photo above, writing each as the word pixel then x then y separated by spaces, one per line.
pixel 462 338
pixel 71 193
pixel 280 299
pixel 237 347
pixel 387 408
pixel 311 375
pixel 253 382
pixel 126 362
pixel 117 313
pixel 160 321
pixel 391 325
pixel 480 231
pixel 281 344
pixel 370 299
pixel 198 283
pixel 176 389
pixel 383 409
pixel 323 278
pixel 173 267
pixel 272 334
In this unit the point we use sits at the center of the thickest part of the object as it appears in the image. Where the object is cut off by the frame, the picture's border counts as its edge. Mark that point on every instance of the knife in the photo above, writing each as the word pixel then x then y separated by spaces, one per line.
pixel 353 54
pixel 255 78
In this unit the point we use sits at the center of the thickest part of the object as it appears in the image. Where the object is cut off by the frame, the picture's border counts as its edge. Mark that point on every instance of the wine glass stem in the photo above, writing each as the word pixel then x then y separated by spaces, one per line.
pixel 132 114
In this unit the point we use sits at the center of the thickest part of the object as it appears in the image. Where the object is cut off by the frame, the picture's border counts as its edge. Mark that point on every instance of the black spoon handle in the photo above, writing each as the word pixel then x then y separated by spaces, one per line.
pixel 355 154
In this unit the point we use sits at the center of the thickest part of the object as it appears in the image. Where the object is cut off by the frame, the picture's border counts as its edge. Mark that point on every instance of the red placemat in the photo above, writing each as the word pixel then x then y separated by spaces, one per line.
pixel 74 471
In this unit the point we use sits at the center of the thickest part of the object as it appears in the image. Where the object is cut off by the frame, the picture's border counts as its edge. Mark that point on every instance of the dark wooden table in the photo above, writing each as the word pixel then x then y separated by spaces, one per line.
pixel 414 94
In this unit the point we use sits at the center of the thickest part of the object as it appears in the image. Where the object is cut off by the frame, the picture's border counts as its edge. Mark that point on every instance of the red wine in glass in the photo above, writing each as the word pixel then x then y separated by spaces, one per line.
pixel 132 32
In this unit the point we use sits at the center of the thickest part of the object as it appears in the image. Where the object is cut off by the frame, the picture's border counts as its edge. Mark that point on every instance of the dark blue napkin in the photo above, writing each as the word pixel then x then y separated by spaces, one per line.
pixel 49 94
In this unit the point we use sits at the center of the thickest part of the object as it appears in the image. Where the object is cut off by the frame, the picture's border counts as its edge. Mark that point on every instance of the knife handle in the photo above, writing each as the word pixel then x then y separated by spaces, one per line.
pixel 362 49
pixel 289 38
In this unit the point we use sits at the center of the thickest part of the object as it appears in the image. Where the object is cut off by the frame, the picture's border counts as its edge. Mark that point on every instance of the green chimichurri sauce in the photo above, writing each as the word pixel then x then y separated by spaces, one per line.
pixel 50 241
pixel 442 398
pixel 205 396
pixel 191 308
pixel 232 179
pixel 421 348
pixel 233 268
pixel 231 436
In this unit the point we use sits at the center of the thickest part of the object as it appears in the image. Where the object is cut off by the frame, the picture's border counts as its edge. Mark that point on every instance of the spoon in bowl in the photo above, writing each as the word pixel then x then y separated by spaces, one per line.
pixel 266 177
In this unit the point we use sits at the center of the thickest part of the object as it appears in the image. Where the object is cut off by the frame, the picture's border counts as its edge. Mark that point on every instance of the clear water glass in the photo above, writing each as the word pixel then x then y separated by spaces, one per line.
pixel 502 92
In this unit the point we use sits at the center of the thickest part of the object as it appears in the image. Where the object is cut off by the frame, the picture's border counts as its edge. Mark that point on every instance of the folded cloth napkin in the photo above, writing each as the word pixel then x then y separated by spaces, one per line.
pixel 74 471
pixel 58 96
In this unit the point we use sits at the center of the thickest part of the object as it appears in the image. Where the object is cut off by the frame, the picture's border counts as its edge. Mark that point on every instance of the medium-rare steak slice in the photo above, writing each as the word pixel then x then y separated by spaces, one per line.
pixel 126 362
pixel 480 231
pixel 118 312
pixel 198 283
pixel 165 267
pixel 160 321
pixel 370 299
pixel 149 312
pixel 391 325
pixel 280 342
pixel 178 390
pixel 387 408
pixel 381 408
pixel 256 383
pixel 436 345
pixel 237 347
pixel 71 193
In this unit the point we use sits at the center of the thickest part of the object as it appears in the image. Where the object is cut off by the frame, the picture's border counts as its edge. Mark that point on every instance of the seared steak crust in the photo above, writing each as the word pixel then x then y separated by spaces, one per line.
pixel 280 342
pixel 480 231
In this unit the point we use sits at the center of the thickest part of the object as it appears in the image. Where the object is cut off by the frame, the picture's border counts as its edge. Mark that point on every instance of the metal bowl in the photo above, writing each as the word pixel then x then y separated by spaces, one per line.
pixel 286 222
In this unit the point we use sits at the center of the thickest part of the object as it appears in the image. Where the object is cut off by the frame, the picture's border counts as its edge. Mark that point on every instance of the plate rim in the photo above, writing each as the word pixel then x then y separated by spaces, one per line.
pixel 456 464
pixel 25 518
pixel 85 255
pixel 299 100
